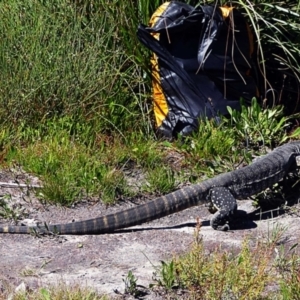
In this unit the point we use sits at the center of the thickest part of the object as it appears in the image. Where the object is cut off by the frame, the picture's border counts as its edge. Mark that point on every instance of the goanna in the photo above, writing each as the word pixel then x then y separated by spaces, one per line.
pixel 220 192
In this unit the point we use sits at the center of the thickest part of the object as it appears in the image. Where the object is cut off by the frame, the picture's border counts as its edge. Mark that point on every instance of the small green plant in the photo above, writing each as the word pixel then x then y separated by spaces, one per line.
pixel 220 275
pixel 45 294
pixel 210 140
pixel 59 292
pixel 288 264
pixel 7 211
pixel 166 275
pixel 257 125
pixel 275 234
pixel 147 153
pixel 131 284
pixel 213 149
pixel 160 179
pixel 114 186
pixel 285 259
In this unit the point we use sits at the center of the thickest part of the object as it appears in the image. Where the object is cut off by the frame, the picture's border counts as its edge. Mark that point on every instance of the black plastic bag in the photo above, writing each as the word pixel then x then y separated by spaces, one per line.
pixel 202 63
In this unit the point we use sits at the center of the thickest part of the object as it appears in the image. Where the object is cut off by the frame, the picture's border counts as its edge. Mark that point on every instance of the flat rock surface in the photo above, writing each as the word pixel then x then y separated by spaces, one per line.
pixel 103 261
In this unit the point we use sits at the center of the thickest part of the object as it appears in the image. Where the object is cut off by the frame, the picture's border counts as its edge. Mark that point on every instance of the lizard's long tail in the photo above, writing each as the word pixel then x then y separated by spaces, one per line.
pixel 160 207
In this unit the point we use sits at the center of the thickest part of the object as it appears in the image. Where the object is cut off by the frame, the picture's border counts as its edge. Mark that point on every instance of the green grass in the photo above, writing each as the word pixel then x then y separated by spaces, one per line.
pixel 75 110
pixel 275 25
pixel 261 126
pixel 6 211
pixel 221 274
pixel 59 58
pixel 76 161
pixel 238 274
pixel 59 292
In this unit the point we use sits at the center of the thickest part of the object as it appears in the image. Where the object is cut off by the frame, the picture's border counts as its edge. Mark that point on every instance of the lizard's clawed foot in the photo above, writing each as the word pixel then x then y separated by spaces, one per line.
pixel 220 221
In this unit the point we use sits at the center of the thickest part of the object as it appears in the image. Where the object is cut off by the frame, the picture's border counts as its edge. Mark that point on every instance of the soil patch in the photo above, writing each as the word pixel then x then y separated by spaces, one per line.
pixel 103 261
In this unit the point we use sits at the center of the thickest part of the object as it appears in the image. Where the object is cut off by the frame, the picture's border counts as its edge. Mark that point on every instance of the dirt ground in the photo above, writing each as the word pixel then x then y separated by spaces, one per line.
pixel 103 261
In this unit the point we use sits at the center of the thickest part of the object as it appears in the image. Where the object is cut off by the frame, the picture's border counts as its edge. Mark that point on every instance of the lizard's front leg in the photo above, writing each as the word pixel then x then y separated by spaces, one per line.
pixel 223 202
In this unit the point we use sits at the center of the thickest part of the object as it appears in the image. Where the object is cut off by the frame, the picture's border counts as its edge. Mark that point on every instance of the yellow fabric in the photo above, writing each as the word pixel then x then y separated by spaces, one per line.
pixel 160 106
pixel 226 11
pixel 157 14
pixel 160 103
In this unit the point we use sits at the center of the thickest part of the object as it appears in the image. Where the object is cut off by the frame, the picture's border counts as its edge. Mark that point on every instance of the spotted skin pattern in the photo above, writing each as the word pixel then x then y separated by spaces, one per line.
pixel 225 204
pixel 220 192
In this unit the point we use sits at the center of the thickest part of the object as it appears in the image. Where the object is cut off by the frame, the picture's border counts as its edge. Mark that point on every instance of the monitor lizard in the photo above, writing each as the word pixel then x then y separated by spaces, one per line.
pixel 220 192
